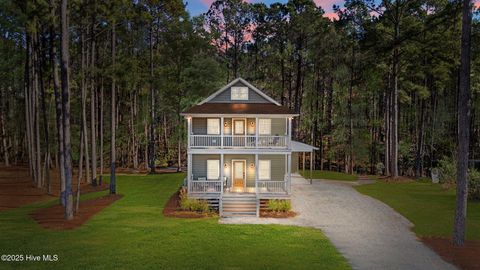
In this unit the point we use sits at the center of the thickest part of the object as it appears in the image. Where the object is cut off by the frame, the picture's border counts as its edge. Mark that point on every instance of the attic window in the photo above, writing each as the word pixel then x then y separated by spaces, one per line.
pixel 239 93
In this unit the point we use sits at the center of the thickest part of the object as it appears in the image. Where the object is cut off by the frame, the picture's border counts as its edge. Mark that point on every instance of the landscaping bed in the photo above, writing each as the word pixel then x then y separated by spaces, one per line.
pixel 172 209
pixel 466 257
pixel 276 214
pixel 53 217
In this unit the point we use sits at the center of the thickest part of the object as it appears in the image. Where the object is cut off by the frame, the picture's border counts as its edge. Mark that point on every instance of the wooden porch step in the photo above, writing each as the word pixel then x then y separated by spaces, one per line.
pixel 239 205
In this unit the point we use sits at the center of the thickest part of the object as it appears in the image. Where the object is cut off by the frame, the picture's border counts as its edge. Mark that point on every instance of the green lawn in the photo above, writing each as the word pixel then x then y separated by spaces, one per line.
pixel 318 174
pixel 427 205
pixel 133 234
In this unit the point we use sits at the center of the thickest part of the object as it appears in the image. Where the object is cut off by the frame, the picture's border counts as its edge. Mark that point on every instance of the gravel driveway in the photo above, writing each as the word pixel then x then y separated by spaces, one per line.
pixel 370 234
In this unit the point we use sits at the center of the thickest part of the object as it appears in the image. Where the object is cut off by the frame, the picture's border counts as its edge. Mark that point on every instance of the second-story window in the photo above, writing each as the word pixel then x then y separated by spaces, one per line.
pixel 239 93
pixel 213 126
pixel 264 126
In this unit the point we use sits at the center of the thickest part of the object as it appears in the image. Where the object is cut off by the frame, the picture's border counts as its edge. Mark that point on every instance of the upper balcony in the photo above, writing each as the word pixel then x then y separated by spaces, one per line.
pixel 223 132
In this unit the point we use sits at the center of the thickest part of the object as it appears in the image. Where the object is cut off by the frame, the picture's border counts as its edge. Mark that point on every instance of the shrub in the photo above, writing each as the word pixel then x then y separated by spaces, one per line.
pixel 188 204
pixel 474 185
pixel 448 177
pixel 279 205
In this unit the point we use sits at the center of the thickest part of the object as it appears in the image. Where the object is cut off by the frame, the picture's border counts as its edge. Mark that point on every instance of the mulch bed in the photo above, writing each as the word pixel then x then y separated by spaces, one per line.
pixel 273 214
pixel 172 209
pixel 466 257
pixel 53 217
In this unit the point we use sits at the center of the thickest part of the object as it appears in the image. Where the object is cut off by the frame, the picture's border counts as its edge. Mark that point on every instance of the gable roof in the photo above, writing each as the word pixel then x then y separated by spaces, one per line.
pixel 246 84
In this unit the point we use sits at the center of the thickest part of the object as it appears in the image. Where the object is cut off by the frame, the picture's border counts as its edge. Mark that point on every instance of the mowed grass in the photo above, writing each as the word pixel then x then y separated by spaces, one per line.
pixel 427 205
pixel 329 175
pixel 133 234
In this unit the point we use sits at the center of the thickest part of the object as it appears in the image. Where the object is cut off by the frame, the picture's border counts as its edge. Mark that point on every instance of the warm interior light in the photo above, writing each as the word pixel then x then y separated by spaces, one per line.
pixel 225 165
pixel 225 124
pixel 252 123
pixel 252 165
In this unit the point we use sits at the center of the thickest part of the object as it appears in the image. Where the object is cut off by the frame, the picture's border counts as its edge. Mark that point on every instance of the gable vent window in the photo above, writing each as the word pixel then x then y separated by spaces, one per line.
pixel 264 170
pixel 213 126
pixel 264 126
pixel 239 93
pixel 213 169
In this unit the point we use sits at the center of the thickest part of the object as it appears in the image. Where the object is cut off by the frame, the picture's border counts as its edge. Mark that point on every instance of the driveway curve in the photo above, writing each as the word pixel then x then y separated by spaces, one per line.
pixel 369 233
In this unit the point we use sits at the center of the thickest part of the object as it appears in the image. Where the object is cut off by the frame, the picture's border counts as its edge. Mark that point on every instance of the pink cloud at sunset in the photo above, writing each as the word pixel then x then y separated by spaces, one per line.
pixel 331 15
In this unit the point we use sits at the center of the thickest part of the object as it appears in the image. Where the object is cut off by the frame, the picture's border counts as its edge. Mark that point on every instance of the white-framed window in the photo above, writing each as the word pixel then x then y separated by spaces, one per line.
pixel 264 126
pixel 213 169
pixel 213 126
pixel 239 93
pixel 264 170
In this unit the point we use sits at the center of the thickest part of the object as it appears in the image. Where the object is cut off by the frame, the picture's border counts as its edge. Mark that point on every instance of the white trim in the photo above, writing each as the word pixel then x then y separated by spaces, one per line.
pixel 244 172
pixel 246 84
pixel 216 151
pixel 212 115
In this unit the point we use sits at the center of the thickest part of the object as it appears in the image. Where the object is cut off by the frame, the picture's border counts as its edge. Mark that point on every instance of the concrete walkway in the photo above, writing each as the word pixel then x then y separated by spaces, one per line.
pixel 370 234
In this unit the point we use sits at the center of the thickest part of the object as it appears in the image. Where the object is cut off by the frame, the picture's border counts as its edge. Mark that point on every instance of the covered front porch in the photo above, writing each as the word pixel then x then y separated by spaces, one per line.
pixel 212 175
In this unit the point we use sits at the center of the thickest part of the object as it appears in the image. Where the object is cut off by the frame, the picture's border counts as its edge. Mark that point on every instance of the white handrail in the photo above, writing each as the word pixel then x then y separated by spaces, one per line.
pixel 269 186
pixel 238 141
pixel 205 186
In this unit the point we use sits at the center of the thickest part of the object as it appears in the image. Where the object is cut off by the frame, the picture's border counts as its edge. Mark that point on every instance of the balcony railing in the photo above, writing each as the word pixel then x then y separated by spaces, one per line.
pixel 272 186
pixel 214 186
pixel 238 141
pixel 205 186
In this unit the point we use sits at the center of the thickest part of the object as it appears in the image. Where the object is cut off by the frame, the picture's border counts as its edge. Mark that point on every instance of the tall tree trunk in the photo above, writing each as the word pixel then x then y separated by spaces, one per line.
pixel 463 126
pixel 84 107
pixel 113 158
pixel 101 133
pixel 58 109
pixel 66 112
pixel 93 122
pixel 3 123
pixel 45 126
pixel 151 145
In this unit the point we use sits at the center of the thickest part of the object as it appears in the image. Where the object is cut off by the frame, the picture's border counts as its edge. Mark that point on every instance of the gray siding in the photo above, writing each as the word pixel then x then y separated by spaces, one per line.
pixel 199 126
pixel 199 166
pixel 278 126
pixel 253 97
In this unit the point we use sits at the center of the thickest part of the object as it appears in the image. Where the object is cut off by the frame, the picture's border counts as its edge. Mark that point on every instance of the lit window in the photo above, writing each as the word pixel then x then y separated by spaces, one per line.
pixel 239 93
pixel 264 170
pixel 264 126
pixel 213 126
pixel 213 169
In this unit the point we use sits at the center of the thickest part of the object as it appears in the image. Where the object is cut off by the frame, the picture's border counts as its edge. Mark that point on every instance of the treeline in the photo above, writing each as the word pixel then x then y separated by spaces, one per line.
pixel 134 65
pixel 376 89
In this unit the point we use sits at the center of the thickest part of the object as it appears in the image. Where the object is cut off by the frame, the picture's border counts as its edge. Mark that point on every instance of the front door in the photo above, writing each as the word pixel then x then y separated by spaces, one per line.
pixel 239 174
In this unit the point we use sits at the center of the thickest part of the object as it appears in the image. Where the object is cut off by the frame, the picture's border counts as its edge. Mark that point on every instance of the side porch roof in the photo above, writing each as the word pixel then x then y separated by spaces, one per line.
pixel 302 147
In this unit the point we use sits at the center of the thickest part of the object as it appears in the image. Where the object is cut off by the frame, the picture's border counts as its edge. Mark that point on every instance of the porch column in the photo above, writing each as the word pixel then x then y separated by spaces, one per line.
pixel 189 171
pixel 189 128
pixel 289 132
pixel 289 170
pixel 221 134
pixel 256 184
pixel 256 132
pixel 311 166
pixel 303 164
pixel 222 171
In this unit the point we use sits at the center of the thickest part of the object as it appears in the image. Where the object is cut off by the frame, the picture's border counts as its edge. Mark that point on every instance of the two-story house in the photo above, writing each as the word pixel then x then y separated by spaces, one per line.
pixel 240 149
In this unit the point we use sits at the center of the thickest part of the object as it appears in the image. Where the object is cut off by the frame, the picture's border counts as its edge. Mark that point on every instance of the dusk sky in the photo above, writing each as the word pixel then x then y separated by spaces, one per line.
pixel 196 7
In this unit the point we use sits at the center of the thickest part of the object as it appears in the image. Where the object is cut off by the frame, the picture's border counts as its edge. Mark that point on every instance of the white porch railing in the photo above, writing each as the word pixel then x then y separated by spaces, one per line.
pixel 269 186
pixel 238 141
pixel 205 186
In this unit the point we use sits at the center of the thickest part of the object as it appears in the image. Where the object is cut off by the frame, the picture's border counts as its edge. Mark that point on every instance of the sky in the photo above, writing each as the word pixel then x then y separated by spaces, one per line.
pixel 196 7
